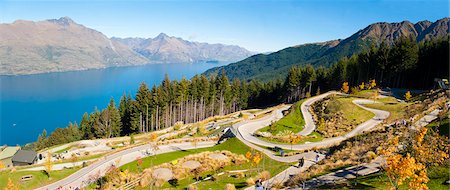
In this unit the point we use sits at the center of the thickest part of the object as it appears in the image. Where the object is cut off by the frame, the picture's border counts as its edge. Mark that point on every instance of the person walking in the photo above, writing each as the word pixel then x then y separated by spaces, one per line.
pixel 301 162
pixel 259 185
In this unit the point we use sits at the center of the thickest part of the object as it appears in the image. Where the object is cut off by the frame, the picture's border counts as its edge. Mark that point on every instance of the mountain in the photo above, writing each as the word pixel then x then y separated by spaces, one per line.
pixel 167 49
pixel 57 45
pixel 270 66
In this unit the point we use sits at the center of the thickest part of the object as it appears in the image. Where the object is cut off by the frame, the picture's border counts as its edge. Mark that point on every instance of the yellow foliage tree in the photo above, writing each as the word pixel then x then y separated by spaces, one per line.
pixel 201 129
pixel 409 169
pixel 345 88
pixel 256 158
pixel 2 165
pixel 400 168
pixel 408 96
pixel 430 151
pixel 11 185
pixel 372 83
pixel 294 139
pixel 248 155
pixel 153 137
pixel 48 163
pixel 361 86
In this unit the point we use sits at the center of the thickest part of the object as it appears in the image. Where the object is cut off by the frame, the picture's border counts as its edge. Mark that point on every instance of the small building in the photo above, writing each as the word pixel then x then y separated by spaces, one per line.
pixel 24 157
pixel 7 154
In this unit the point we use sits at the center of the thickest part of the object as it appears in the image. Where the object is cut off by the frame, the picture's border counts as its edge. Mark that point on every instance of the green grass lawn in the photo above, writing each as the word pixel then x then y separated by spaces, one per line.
pixel 233 145
pixel 353 113
pixel 292 122
pixel 437 175
pixel 39 178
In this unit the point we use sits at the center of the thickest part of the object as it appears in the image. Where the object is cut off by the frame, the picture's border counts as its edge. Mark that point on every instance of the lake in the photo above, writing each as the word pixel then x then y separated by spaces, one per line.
pixel 31 103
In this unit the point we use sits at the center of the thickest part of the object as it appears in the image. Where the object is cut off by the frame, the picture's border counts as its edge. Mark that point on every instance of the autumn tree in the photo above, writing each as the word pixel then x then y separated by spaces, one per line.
pixel 408 96
pixel 48 163
pixel 294 139
pixel 345 88
pixel 372 84
pixel 11 185
pixel 361 86
pixel 407 164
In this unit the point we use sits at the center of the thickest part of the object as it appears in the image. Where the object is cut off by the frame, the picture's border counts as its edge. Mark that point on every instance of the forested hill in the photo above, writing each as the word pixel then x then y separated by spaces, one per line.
pixel 266 67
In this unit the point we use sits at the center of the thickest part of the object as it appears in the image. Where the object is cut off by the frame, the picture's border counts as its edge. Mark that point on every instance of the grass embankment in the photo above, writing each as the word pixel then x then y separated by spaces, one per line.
pixel 437 175
pixel 338 115
pixel 233 145
pixel 39 178
pixel 396 109
pixel 367 94
pixel 292 122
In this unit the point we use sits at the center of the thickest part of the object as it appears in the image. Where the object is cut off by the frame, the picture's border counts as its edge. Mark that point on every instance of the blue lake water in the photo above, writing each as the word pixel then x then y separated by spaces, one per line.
pixel 31 103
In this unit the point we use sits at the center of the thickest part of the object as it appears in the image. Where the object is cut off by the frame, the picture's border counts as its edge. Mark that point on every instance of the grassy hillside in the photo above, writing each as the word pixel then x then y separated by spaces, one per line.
pixel 272 66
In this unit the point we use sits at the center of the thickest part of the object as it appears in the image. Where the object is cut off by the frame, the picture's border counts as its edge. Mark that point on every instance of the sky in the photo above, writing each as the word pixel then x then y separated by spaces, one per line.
pixel 261 26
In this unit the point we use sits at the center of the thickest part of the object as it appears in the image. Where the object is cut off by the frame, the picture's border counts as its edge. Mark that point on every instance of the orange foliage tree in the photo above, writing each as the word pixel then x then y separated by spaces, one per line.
pixel 345 88
pixel 11 185
pixel 408 164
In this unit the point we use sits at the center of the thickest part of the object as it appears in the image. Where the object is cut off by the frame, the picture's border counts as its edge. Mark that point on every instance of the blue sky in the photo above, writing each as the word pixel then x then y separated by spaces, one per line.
pixel 256 25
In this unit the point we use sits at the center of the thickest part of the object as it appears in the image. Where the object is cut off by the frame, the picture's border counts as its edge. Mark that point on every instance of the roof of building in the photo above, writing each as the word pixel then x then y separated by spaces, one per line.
pixel 27 156
pixel 9 152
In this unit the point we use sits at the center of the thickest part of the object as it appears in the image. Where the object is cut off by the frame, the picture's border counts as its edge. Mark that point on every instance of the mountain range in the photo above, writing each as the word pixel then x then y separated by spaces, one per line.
pixel 167 49
pixel 269 66
pixel 58 45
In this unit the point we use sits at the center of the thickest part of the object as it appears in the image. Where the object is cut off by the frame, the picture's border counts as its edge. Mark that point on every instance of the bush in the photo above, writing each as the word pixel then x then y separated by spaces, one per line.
pixel 230 186
pixel 192 187
pixel 250 181
pixel 132 139
pixel 263 176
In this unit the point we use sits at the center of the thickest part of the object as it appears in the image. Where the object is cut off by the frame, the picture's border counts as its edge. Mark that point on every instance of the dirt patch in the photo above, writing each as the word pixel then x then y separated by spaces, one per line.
pixel 163 173
pixel 191 164
pixel 218 156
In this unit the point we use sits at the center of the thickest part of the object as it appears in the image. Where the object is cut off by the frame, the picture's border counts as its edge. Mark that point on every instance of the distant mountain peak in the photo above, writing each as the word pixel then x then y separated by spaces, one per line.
pixel 62 21
pixel 55 45
pixel 162 36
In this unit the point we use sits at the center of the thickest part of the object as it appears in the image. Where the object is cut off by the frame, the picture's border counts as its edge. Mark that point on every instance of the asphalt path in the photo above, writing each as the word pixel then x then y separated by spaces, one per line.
pixel 247 129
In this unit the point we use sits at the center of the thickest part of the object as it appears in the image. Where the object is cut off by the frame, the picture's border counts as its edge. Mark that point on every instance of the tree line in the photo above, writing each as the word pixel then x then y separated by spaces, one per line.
pixel 159 107
pixel 404 64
